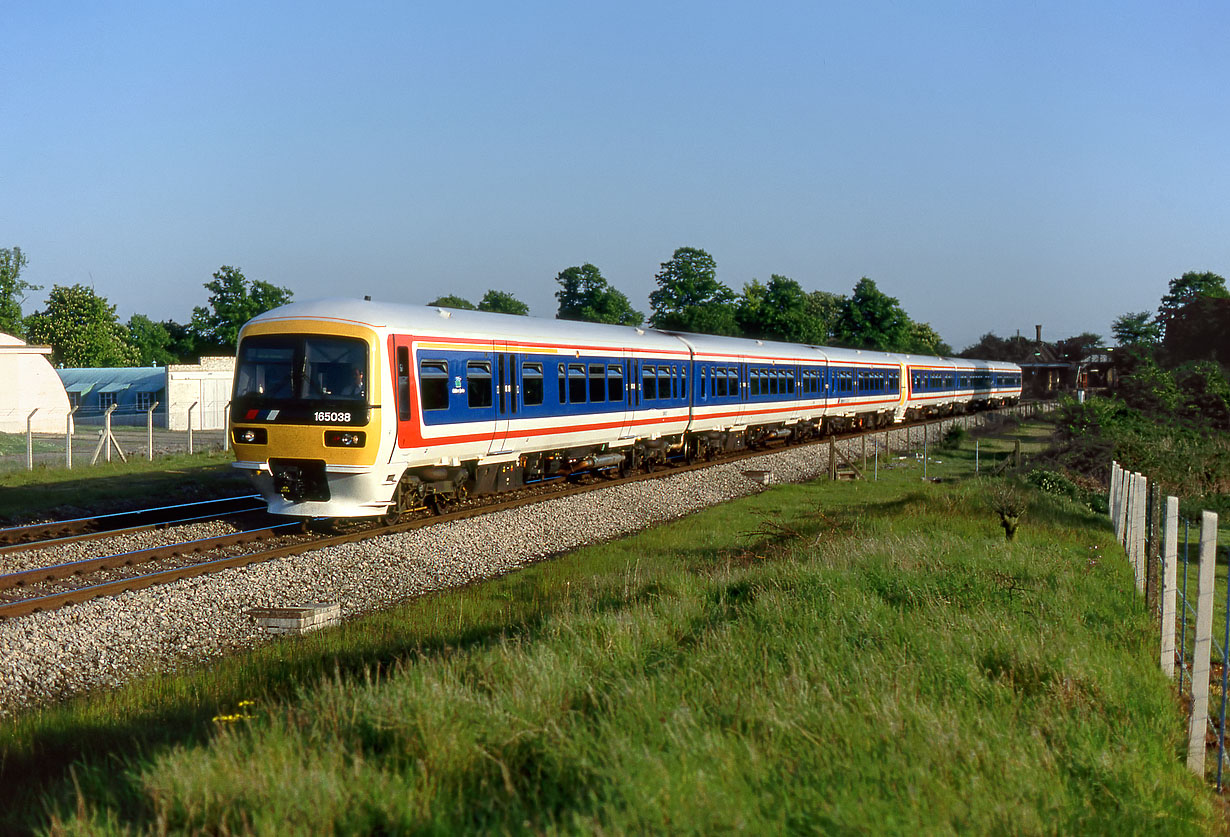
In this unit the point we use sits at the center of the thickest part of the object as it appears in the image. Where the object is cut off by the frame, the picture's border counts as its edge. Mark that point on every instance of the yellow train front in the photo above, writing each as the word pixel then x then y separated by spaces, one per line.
pixel 306 417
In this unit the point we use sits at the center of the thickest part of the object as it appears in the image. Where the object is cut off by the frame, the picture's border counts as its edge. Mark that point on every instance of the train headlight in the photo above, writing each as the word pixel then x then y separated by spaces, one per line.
pixel 345 438
pixel 249 436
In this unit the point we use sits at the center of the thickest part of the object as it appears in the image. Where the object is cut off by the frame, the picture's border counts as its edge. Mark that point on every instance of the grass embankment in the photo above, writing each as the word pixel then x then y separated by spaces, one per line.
pixel 846 657
pixel 113 486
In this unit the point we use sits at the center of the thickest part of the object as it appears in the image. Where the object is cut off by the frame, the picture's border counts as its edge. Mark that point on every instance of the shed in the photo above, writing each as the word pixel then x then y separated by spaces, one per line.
pixel 28 383
pixel 200 388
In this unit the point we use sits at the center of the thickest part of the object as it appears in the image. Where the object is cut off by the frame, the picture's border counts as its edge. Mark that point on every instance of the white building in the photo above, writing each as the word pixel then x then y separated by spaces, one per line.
pixel 29 384
pixel 202 390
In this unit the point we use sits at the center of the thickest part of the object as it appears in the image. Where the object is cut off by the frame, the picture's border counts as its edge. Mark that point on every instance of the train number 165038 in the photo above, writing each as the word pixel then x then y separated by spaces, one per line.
pixel 322 415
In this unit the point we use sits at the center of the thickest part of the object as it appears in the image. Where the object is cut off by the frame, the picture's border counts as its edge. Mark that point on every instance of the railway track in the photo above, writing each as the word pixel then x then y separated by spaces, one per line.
pixel 202 557
pixel 36 535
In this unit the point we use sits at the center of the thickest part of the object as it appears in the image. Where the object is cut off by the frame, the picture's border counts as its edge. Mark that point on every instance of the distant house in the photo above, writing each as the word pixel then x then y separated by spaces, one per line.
pixel 28 384
pixel 204 389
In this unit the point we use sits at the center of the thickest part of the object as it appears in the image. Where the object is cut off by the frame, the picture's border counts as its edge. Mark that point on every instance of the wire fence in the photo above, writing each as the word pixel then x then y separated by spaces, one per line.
pixel 1159 543
pixel 85 446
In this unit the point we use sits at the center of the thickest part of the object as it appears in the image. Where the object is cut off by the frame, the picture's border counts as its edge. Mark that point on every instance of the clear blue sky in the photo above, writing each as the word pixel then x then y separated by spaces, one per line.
pixel 992 165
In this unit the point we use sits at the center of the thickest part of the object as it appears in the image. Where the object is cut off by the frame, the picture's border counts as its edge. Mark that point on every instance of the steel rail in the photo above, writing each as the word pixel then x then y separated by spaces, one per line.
pixel 55 533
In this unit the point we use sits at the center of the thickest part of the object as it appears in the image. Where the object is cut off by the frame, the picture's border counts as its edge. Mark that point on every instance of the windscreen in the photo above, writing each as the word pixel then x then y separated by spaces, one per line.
pixel 301 374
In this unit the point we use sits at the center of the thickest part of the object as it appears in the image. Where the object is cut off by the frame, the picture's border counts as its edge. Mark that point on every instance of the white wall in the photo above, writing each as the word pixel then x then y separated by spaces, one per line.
pixel 208 385
pixel 28 381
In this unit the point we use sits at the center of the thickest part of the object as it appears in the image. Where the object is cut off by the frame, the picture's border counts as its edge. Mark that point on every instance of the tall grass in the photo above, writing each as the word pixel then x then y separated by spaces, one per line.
pixel 844 658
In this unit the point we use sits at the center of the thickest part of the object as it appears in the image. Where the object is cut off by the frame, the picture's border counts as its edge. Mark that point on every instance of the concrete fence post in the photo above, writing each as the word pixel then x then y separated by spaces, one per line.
pixel 1153 551
pixel 149 431
pixel 68 438
pixel 190 409
pixel 1170 560
pixel 1142 505
pixel 30 440
pixel 1204 644
pixel 1113 496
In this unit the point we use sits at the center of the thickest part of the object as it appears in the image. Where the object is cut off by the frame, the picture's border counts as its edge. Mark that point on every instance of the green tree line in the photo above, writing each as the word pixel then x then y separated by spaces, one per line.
pixel 83 329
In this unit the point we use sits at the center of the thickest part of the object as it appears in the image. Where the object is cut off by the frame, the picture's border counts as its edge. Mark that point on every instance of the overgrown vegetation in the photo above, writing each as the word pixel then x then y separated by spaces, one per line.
pixel 833 657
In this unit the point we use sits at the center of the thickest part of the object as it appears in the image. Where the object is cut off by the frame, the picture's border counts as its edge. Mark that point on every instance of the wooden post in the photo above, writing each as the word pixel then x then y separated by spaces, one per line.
pixel 1170 559
pixel 1204 644
pixel 832 459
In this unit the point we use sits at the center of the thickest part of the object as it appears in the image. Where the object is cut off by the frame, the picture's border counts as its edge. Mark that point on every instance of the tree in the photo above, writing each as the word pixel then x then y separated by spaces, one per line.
pixel 152 341
pixel 500 302
pixel 689 296
pixel 586 296
pixel 1186 289
pixel 922 339
pixel 451 301
pixel 1205 392
pixel 870 319
pixel 233 300
pixel 1136 329
pixel 823 309
pixel 81 329
pixel 780 310
pixel 12 290
pixel 1200 330
pixel 1075 349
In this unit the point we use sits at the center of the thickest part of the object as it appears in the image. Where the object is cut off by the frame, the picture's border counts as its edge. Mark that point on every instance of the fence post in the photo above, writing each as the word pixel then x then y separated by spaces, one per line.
pixel 149 431
pixel 190 409
pixel 1204 642
pixel 30 440
pixel 1136 527
pixel 1170 557
pixel 1153 551
pixel 68 438
pixel 1112 496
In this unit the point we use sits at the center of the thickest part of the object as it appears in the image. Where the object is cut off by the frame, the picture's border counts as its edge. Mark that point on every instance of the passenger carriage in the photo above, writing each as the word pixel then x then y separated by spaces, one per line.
pixel 347 408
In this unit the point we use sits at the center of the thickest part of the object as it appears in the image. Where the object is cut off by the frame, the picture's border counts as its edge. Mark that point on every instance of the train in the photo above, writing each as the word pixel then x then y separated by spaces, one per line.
pixel 348 408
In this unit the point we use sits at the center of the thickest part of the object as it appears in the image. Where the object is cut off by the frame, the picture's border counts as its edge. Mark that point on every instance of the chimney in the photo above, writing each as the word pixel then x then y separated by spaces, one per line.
pixel 1039 330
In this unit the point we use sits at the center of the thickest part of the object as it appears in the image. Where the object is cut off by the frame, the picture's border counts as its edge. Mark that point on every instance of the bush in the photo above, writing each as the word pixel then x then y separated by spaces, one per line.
pixel 953 438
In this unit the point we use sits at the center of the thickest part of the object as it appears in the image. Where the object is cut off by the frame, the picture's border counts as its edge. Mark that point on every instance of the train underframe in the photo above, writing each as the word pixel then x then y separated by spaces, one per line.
pixel 439 487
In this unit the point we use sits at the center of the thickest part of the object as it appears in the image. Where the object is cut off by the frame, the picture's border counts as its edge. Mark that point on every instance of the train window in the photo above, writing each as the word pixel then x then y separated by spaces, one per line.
pixel 649 382
pixel 576 383
pixel 478 383
pixel 531 384
pixel 720 382
pixel 703 383
pixel 790 381
pixel 683 381
pixel 433 385
pixel 563 384
pixel 614 383
pixel 333 368
pixel 732 381
pixel 665 379
pixel 403 383
pixel 597 382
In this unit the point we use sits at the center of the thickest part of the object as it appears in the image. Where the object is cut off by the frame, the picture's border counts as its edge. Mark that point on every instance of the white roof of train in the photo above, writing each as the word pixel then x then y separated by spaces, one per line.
pixel 420 319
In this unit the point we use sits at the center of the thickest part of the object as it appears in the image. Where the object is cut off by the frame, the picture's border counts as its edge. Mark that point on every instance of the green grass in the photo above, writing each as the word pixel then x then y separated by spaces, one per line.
pixel 837 658
pixel 105 486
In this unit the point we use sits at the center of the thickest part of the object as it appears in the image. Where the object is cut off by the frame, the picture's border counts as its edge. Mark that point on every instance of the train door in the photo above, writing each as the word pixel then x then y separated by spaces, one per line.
pixel 507 394
pixel 630 372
